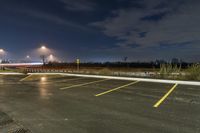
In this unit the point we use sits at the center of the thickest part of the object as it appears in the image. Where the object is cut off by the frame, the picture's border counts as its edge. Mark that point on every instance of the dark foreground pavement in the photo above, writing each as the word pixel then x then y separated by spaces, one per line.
pixel 38 105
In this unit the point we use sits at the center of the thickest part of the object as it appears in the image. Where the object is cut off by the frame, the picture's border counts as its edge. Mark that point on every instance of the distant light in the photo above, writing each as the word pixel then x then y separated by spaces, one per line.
pixel 28 57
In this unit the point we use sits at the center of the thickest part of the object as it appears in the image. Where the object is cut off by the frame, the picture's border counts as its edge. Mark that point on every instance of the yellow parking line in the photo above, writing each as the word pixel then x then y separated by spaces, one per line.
pixel 100 94
pixel 23 79
pixel 165 96
pixel 78 85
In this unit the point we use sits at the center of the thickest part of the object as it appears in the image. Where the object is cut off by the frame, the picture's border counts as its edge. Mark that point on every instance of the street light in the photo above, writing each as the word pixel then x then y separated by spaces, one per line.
pixel 43 47
pixel 43 50
pixel 78 64
pixel 2 53
pixel 28 57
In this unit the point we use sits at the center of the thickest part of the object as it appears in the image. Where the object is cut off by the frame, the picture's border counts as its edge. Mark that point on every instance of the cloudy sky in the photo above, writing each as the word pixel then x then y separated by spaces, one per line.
pixel 102 30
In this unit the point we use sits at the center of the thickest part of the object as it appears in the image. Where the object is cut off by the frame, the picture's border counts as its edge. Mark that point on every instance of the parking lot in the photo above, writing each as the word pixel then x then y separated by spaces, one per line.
pixel 60 104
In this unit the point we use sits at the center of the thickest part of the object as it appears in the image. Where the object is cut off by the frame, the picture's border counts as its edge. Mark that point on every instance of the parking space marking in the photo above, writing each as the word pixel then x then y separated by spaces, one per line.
pixel 23 79
pixel 165 96
pixel 78 85
pixel 68 80
pixel 123 86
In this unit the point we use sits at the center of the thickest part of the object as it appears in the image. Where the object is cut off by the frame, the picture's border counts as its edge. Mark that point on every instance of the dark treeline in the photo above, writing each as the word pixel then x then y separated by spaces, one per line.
pixel 121 64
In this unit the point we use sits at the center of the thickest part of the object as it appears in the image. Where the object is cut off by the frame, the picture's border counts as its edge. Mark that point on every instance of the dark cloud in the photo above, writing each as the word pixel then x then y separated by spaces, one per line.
pixel 158 28
pixel 160 25
pixel 154 17
pixel 79 5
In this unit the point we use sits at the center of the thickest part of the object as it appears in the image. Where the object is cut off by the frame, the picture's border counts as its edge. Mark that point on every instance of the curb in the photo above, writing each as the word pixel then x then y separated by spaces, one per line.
pixel 195 83
pixel 11 73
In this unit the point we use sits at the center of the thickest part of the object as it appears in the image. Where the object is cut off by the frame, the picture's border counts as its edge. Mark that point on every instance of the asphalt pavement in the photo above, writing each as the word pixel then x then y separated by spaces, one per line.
pixel 67 104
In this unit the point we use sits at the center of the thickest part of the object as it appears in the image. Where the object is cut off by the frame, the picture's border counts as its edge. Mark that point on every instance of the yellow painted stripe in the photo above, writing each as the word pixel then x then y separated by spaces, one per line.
pixel 26 78
pixel 103 93
pixel 165 96
pixel 78 85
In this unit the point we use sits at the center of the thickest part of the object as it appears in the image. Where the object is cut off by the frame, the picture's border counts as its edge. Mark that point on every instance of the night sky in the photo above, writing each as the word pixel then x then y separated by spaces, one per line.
pixel 102 30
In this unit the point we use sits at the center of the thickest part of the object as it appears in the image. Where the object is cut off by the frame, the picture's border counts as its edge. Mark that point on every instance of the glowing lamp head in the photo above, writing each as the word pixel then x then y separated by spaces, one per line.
pixel 1 50
pixel 43 47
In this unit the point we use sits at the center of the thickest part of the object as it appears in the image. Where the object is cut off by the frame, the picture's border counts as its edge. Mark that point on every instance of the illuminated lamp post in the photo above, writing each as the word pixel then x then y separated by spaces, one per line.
pixel 2 53
pixel 43 54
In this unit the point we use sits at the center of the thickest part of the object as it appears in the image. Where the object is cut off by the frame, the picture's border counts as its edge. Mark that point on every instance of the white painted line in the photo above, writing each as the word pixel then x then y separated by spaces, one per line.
pixel 21 64
pixel 128 78
pixel 6 73
pixel 83 84
pixel 115 89
pixel 23 79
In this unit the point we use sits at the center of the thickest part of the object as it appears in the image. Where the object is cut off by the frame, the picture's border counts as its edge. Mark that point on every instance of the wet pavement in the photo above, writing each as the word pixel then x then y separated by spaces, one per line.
pixel 38 104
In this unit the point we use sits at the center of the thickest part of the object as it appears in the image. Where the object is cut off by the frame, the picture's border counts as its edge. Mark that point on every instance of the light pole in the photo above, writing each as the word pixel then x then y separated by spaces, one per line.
pixel 43 50
pixel 2 53
pixel 78 64
pixel 28 58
